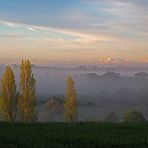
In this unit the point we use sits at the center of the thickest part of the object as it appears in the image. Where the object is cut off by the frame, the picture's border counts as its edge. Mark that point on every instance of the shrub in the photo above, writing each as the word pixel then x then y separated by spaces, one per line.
pixel 133 116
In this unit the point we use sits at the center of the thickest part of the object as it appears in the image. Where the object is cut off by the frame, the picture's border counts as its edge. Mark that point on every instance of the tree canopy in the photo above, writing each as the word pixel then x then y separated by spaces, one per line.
pixel 70 105
pixel 8 95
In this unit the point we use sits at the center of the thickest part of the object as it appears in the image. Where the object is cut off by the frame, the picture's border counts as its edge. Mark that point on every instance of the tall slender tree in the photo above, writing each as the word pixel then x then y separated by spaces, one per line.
pixel 8 95
pixel 70 104
pixel 27 93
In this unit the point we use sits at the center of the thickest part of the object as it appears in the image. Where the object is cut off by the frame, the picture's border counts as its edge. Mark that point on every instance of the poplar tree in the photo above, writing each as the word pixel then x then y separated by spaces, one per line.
pixel 70 104
pixel 8 95
pixel 27 93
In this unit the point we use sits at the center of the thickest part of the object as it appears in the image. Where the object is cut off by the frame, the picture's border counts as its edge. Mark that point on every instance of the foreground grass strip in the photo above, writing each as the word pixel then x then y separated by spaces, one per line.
pixel 78 135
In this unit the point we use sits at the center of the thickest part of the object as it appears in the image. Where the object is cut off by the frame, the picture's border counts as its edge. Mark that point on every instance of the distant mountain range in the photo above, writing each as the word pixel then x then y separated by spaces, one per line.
pixel 88 68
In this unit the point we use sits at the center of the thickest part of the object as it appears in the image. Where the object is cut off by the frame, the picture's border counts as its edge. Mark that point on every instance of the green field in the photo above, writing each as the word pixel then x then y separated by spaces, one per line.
pixel 78 135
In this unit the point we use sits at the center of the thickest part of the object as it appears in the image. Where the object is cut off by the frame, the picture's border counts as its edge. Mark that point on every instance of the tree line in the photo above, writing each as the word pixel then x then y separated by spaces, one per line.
pixel 19 104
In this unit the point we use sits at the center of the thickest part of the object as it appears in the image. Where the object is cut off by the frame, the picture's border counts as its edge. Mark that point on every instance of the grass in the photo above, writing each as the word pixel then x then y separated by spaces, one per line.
pixel 78 135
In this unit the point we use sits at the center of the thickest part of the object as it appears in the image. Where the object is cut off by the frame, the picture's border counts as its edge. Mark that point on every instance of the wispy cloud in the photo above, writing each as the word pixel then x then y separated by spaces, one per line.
pixel 80 29
pixel 31 29
pixel 9 24
pixel 88 36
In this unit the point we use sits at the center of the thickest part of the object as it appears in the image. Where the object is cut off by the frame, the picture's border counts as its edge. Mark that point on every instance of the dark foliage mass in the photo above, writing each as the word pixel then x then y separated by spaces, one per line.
pixel 133 116
pixel 75 135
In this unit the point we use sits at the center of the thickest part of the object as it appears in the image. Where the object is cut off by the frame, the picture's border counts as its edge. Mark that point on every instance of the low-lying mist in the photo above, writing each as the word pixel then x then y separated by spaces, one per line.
pixel 98 92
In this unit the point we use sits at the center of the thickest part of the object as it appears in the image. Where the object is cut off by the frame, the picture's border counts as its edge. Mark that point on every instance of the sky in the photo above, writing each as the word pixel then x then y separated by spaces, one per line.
pixel 74 32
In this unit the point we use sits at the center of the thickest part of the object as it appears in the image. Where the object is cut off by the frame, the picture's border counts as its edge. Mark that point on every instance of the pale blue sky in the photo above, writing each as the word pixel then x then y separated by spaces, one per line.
pixel 74 31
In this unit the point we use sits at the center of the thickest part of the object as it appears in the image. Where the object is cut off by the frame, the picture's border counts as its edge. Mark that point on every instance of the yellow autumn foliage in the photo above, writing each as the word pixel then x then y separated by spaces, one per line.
pixel 70 104
pixel 27 93
pixel 8 95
